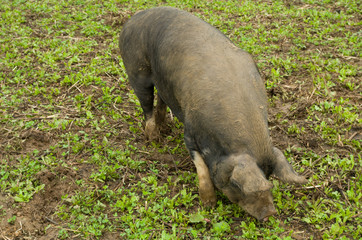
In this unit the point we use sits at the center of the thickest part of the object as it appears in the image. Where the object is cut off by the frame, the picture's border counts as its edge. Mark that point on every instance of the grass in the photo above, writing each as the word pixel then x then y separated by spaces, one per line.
pixel 73 157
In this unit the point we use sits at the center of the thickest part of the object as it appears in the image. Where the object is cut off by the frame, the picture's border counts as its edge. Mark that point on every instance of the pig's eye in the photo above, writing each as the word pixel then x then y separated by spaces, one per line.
pixel 255 195
pixel 235 185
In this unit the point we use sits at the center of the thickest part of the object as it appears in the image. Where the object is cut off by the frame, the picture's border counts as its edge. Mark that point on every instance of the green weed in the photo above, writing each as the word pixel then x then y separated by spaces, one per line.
pixel 65 103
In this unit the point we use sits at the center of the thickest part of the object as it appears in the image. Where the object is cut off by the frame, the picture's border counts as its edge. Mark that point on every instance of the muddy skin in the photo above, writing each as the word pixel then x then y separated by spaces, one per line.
pixel 216 90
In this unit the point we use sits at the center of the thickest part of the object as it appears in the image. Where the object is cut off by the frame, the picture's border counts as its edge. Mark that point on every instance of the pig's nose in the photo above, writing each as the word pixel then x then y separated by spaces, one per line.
pixel 268 211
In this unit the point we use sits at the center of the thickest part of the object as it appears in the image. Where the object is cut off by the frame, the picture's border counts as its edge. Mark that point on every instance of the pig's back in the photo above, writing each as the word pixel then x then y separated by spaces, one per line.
pixel 208 82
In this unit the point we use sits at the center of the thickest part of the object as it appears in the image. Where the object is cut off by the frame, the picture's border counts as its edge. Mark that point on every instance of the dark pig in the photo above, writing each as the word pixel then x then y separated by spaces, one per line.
pixel 216 90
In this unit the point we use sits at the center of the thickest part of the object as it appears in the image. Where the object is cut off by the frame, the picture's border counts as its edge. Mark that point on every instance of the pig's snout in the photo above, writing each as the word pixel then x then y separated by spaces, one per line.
pixel 270 211
pixel 262 214
pixel 261 208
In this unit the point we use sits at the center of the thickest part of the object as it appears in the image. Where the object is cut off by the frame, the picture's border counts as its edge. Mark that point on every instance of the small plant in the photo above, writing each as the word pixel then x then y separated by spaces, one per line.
pixel 2 211
pixel 12 220
pixel 295 129
pixel 67 110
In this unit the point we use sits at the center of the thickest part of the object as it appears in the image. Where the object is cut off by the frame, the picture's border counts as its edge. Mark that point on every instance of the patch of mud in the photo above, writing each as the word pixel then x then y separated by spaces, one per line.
pixel 35 140
pixel 34 217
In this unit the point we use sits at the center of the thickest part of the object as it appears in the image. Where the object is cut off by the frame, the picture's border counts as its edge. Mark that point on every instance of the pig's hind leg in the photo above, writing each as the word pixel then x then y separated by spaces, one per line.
pixel 144 90
pixel 206 187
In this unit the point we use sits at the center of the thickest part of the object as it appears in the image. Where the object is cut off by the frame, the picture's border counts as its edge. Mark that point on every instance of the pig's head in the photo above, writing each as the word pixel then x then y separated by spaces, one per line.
pixel 244 182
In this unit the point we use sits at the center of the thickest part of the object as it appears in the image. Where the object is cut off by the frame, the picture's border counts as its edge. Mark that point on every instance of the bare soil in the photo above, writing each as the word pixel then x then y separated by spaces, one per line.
pixel 36 215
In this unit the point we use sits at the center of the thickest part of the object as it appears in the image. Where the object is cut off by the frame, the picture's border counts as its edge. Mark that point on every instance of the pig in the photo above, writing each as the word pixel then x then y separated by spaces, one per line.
pixel 215 89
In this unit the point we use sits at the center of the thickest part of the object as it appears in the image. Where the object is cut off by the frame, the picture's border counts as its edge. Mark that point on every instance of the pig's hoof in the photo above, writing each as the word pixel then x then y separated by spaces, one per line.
pixel 209 203
pixel 151 130
pixel 208 199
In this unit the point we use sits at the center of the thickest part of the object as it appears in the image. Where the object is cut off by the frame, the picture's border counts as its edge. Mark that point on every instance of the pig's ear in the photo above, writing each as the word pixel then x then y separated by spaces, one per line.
pixel 284 171
pixel 249 178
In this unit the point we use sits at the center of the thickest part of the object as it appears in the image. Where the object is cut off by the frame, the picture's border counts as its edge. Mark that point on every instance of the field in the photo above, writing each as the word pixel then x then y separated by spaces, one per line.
pixel 74 162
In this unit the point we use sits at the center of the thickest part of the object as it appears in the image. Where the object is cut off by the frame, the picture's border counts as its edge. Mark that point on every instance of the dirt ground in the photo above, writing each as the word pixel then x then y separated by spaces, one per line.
pixel 34 217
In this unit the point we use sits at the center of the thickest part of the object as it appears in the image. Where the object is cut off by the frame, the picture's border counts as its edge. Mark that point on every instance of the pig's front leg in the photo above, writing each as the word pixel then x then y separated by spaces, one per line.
pixel 206 187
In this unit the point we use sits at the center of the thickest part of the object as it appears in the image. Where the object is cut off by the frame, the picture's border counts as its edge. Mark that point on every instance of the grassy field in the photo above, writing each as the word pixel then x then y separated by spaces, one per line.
pixel 74 162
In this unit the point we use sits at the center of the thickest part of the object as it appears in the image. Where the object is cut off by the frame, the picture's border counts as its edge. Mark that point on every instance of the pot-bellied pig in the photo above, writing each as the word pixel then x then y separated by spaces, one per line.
pixel 215 89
